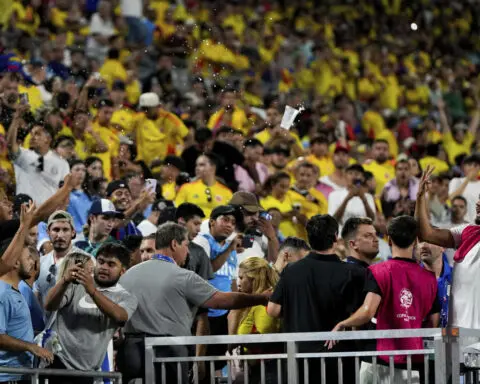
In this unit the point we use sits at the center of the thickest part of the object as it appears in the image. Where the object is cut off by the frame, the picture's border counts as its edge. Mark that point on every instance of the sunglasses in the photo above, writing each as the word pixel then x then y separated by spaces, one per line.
pixel 52 272
pixel 41 164
pixel 208 192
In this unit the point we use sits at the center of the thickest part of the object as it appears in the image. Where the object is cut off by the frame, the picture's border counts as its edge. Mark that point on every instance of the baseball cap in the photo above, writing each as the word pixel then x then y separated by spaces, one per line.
pixel 176 161
pixel 104 207
pixel 118 85
pixel 225 210
pixel 114 185
pixel 149 99
pixel 246 200
pixel 341 148
pixel 57 216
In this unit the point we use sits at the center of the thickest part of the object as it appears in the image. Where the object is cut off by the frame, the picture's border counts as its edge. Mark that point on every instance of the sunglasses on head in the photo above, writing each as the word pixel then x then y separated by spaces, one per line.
pixel 208 192
pixel 52 272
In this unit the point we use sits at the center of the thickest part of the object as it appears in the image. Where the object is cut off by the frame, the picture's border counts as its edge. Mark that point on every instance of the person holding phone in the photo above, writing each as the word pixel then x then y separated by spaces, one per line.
pixel 353 201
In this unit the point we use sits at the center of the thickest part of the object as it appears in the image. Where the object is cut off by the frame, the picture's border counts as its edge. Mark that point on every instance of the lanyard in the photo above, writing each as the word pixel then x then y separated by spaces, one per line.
pixel 164 258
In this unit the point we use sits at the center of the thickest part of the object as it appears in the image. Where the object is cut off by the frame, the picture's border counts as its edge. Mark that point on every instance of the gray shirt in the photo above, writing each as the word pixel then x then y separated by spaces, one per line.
pixel 81 325
pixel 168 298
pixel 199 262
pixel 48 274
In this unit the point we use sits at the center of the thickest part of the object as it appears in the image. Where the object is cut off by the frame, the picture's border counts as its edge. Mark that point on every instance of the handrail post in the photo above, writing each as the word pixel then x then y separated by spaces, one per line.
pixel 34 379
pixel 292 362
pixel 149 365
pixel 454 353
pixel 439 345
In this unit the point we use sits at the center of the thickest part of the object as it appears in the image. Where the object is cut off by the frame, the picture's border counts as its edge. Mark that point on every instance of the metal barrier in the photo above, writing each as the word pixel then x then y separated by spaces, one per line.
pixel 34 374
pixel 443 355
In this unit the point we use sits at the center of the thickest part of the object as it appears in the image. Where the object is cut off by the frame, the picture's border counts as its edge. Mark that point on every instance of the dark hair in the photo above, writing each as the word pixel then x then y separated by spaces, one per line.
pixel 295 243
pixel 320 139
pixel 252 143
pixel 188 211
pixel 213 158
pixel 75 162
pixel 460 198
pixel 274 179
pixel 92 159
pixel 402 161
pixel 168 232
pixel 368 175
pixel 444 176
pixel 132 242
pixel 113 53
pixel 116 250
pixel 432 149
pixel 403 231
pixel 306 164
pixel 4 244
pixel 322 231
pixel 355 168
pixel 62 138
pixel 202 135
pixel 380 141
pixel 350 227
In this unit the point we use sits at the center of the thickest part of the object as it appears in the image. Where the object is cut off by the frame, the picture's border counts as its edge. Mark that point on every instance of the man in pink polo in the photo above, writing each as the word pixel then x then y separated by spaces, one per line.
pixel 401 295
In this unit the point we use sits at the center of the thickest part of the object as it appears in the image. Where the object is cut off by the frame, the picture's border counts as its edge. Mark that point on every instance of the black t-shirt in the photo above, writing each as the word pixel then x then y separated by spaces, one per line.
pixel 8 228
pixel 316 293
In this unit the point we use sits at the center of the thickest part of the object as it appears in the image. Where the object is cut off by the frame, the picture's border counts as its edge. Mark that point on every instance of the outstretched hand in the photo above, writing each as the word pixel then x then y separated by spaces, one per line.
pixel 331 343
pixel 425 181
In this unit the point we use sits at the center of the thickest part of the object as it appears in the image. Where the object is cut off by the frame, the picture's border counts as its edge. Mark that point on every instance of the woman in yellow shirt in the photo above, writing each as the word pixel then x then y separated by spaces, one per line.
pixel 277 187
pixel 255 275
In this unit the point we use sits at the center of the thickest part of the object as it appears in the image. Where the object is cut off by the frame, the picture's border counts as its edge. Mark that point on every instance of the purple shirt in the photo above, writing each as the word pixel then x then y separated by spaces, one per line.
pixel 391 192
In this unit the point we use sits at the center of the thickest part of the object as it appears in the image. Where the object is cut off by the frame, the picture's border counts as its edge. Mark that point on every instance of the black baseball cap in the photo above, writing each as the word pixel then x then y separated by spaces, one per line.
pixel 114 185
pixel 226 210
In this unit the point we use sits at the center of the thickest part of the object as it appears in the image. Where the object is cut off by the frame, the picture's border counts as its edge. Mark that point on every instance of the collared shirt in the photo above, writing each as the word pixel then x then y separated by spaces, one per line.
pixel 353 260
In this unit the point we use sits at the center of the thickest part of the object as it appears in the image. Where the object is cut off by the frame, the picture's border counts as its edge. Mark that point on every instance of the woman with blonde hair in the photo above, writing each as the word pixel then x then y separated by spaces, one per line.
pixel 85 260
pixel 255 275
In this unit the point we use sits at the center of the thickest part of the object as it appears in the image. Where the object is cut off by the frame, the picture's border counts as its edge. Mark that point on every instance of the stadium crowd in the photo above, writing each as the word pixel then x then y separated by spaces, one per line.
pixel 149 185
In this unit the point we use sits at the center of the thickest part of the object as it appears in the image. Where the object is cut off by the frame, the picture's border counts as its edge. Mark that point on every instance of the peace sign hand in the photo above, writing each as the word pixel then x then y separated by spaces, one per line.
pixel 425 181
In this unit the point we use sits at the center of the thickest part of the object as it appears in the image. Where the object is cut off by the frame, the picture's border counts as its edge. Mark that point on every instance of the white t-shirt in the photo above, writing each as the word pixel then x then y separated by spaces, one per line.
pixel 147 228
pixel 355 207
pixel 326 180
pixel 131 8
pixel 101 27
pixel 466 285
pixel 40 186
pixel 471 193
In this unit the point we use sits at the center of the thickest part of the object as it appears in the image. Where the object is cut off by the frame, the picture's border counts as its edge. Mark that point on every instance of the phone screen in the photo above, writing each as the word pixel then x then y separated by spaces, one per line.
pixel 151 185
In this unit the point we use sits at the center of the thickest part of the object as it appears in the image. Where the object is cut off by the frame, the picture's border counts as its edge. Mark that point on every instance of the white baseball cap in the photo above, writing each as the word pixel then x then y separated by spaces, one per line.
pixel 149 99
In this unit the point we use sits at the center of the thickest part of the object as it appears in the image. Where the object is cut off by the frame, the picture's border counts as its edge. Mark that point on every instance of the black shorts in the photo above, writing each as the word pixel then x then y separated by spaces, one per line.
pixel 218 326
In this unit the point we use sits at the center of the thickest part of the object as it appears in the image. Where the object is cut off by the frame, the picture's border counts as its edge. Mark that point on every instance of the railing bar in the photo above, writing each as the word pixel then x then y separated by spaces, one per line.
pixel 279 370
pixel 297 337
pixel 212 372
pixel 229 371
pixel 245 371
pixel 262 371
pixel 34 379
pixel 392 373
pixel 322 371
pixel 195 372
pixel 357 370
pixel 164 374
pixel 305 371
pixel 179 373
pixel 374 367
pixel 426 362
pixel 340 371
pixel 409 369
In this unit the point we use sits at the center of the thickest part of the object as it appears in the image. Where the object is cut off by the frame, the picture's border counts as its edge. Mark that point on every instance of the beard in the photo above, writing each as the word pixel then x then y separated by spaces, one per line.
pixel 60 246
pixel 107 283
pixel 24 274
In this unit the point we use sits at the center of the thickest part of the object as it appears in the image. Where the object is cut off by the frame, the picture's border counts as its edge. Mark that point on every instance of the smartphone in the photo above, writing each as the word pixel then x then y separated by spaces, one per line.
pixel 248 241
pixel 265 215
pixel 151 185
pixel 23 98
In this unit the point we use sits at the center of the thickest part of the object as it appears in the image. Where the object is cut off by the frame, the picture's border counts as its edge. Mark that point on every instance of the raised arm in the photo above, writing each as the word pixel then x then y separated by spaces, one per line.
pixel 475 122
pixel 440 237
pixel 443 117
pixel 14 250
pixel 12 135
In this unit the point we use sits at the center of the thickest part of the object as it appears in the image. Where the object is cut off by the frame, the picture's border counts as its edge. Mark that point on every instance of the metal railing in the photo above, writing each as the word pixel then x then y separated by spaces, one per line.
pixel 35 374
pixel 443 355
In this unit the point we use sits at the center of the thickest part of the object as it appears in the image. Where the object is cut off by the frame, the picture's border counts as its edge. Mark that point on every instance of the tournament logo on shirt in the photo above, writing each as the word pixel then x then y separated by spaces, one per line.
pixel 406 298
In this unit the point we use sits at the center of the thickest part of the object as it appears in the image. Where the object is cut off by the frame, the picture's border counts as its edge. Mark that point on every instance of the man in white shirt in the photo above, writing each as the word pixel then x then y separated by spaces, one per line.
pixel 466 240
pixel 337 180
pixel 353 201
pixel 468 186
pixel 39 170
